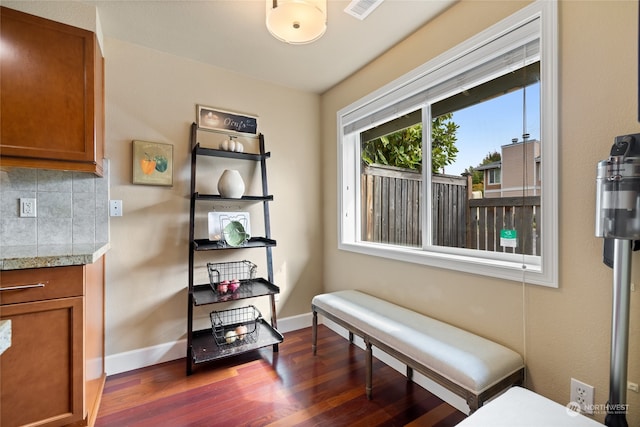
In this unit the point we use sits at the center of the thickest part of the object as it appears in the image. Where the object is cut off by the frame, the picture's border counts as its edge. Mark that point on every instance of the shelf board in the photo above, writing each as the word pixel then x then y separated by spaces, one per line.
pixel 204 151
pixel 204 347
pixel 211 245
pixel 217 197
pixel 203 294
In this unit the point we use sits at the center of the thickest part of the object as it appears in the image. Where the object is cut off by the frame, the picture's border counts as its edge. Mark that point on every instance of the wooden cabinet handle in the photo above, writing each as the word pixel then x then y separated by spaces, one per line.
pixel 17 288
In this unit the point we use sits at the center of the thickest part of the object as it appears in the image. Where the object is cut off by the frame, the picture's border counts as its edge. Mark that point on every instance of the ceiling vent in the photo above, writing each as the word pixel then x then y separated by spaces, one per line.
pixel 362 8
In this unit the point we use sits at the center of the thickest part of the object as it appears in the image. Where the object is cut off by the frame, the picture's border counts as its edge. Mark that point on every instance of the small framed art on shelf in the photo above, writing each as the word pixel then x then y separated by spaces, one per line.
pixel 226 121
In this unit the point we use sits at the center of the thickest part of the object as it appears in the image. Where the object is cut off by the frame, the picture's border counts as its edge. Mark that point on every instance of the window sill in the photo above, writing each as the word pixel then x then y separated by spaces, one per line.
pixel 512 267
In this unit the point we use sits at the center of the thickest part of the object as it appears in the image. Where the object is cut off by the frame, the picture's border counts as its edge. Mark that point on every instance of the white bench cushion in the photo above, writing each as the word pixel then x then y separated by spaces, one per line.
pixel 519 407
pixel 468 360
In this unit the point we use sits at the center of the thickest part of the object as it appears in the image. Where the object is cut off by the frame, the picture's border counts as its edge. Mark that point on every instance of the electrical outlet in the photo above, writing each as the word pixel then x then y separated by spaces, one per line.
pixel 27 208
pixel 582 394
pixel 632 386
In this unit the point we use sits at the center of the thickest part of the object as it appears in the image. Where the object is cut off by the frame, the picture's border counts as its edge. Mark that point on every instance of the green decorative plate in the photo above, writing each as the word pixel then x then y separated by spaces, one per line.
pixel 235 235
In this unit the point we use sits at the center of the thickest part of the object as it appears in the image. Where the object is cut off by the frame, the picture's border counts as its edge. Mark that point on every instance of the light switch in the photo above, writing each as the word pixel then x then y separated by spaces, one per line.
pixel 115 207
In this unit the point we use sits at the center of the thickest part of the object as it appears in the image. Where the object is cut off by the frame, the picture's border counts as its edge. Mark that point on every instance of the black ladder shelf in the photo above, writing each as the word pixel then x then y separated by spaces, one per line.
pixel 201 344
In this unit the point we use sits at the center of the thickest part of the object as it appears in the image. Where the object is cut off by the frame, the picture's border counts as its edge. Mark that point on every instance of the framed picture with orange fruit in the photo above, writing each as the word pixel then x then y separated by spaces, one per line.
pixel 152 163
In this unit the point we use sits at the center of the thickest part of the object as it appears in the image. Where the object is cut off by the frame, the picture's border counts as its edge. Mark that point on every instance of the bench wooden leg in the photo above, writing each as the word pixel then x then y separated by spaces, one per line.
pixel 473 402
pixel 369 369
pixel 409 373
pixel 314 333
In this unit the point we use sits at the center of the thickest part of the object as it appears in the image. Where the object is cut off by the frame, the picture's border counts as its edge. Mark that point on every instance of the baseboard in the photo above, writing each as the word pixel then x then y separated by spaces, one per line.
pixel 294 323
pixel 143 357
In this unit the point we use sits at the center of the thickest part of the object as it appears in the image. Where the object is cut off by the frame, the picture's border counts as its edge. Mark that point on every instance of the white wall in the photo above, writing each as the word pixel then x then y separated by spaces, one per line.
pixel 563 332
pixel 152 96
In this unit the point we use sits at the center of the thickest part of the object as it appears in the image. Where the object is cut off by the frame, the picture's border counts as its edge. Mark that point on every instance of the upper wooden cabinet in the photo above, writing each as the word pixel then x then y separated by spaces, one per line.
pixel 52 95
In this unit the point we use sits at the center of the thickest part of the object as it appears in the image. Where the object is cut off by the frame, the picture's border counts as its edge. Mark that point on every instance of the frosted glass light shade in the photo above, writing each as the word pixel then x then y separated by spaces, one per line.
pixel 297 21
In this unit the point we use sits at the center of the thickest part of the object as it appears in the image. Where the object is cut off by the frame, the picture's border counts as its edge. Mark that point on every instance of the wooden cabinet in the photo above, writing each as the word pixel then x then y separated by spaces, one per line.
pixel 52 95
pixel 53 373
pixel 42 377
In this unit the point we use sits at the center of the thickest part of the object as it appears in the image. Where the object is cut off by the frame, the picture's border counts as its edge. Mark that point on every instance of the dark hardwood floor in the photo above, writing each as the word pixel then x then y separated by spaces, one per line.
pixel 262 388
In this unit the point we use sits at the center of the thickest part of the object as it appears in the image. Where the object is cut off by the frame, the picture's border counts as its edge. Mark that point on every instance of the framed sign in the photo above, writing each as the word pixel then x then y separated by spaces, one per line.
pixel 226 121
pixel 152 163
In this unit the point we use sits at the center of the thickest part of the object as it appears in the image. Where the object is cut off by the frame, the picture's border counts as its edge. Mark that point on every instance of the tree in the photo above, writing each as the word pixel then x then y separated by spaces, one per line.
pixel 403 148
pixel 443 142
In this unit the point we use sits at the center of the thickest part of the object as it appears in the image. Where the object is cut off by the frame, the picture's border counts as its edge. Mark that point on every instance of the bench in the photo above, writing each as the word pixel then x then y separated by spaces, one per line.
pixel 466 364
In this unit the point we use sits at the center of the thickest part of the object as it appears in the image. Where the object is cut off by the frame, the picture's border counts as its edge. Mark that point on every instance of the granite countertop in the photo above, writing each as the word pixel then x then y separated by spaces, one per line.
pixel 52 256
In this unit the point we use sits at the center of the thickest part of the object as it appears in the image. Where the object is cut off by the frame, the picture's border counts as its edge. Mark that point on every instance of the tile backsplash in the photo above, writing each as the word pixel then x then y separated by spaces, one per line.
pixel 72 212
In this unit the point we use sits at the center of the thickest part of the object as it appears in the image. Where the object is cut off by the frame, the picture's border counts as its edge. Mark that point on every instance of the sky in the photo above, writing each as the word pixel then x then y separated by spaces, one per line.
pixel 485 127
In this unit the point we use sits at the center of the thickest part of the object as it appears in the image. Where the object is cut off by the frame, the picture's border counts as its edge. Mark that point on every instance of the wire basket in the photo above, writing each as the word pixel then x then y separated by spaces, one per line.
pixel 231 277
pixel 236 326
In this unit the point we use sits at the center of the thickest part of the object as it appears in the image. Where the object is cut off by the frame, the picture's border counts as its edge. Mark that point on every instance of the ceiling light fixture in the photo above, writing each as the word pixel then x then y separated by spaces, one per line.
pixel 297 21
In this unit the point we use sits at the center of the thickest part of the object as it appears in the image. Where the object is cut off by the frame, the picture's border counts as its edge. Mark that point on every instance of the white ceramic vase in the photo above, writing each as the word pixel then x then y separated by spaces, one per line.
pixel 230 184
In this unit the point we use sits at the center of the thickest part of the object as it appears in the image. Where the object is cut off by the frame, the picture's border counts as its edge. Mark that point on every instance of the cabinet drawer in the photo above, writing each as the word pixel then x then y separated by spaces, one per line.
pixel 40 284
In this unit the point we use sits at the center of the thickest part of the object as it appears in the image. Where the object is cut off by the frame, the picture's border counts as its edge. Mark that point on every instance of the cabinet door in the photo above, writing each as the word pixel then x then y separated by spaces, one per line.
pixel 48 91
pixel 95 376
pixel 41 374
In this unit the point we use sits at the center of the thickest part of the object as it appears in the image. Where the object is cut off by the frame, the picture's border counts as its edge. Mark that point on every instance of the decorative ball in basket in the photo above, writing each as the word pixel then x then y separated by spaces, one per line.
pixel 232 277
pixel 235 326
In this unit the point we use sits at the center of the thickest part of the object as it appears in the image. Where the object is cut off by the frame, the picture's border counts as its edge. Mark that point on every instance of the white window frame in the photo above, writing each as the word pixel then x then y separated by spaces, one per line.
pixel 540 270
pixel 491 176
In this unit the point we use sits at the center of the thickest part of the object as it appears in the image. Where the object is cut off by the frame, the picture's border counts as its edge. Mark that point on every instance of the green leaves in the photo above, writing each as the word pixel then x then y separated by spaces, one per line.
pixel 403 148
pixel 443 142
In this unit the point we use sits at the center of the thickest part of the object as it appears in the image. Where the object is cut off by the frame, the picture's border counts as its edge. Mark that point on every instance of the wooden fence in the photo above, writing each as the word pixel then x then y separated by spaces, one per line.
pixel 392 213
pixel 490 216
pixel 391 206
pixel 449 210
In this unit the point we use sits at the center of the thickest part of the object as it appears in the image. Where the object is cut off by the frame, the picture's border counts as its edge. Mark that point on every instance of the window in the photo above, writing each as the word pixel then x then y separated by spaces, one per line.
pixel 443 166
pixel 493 176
